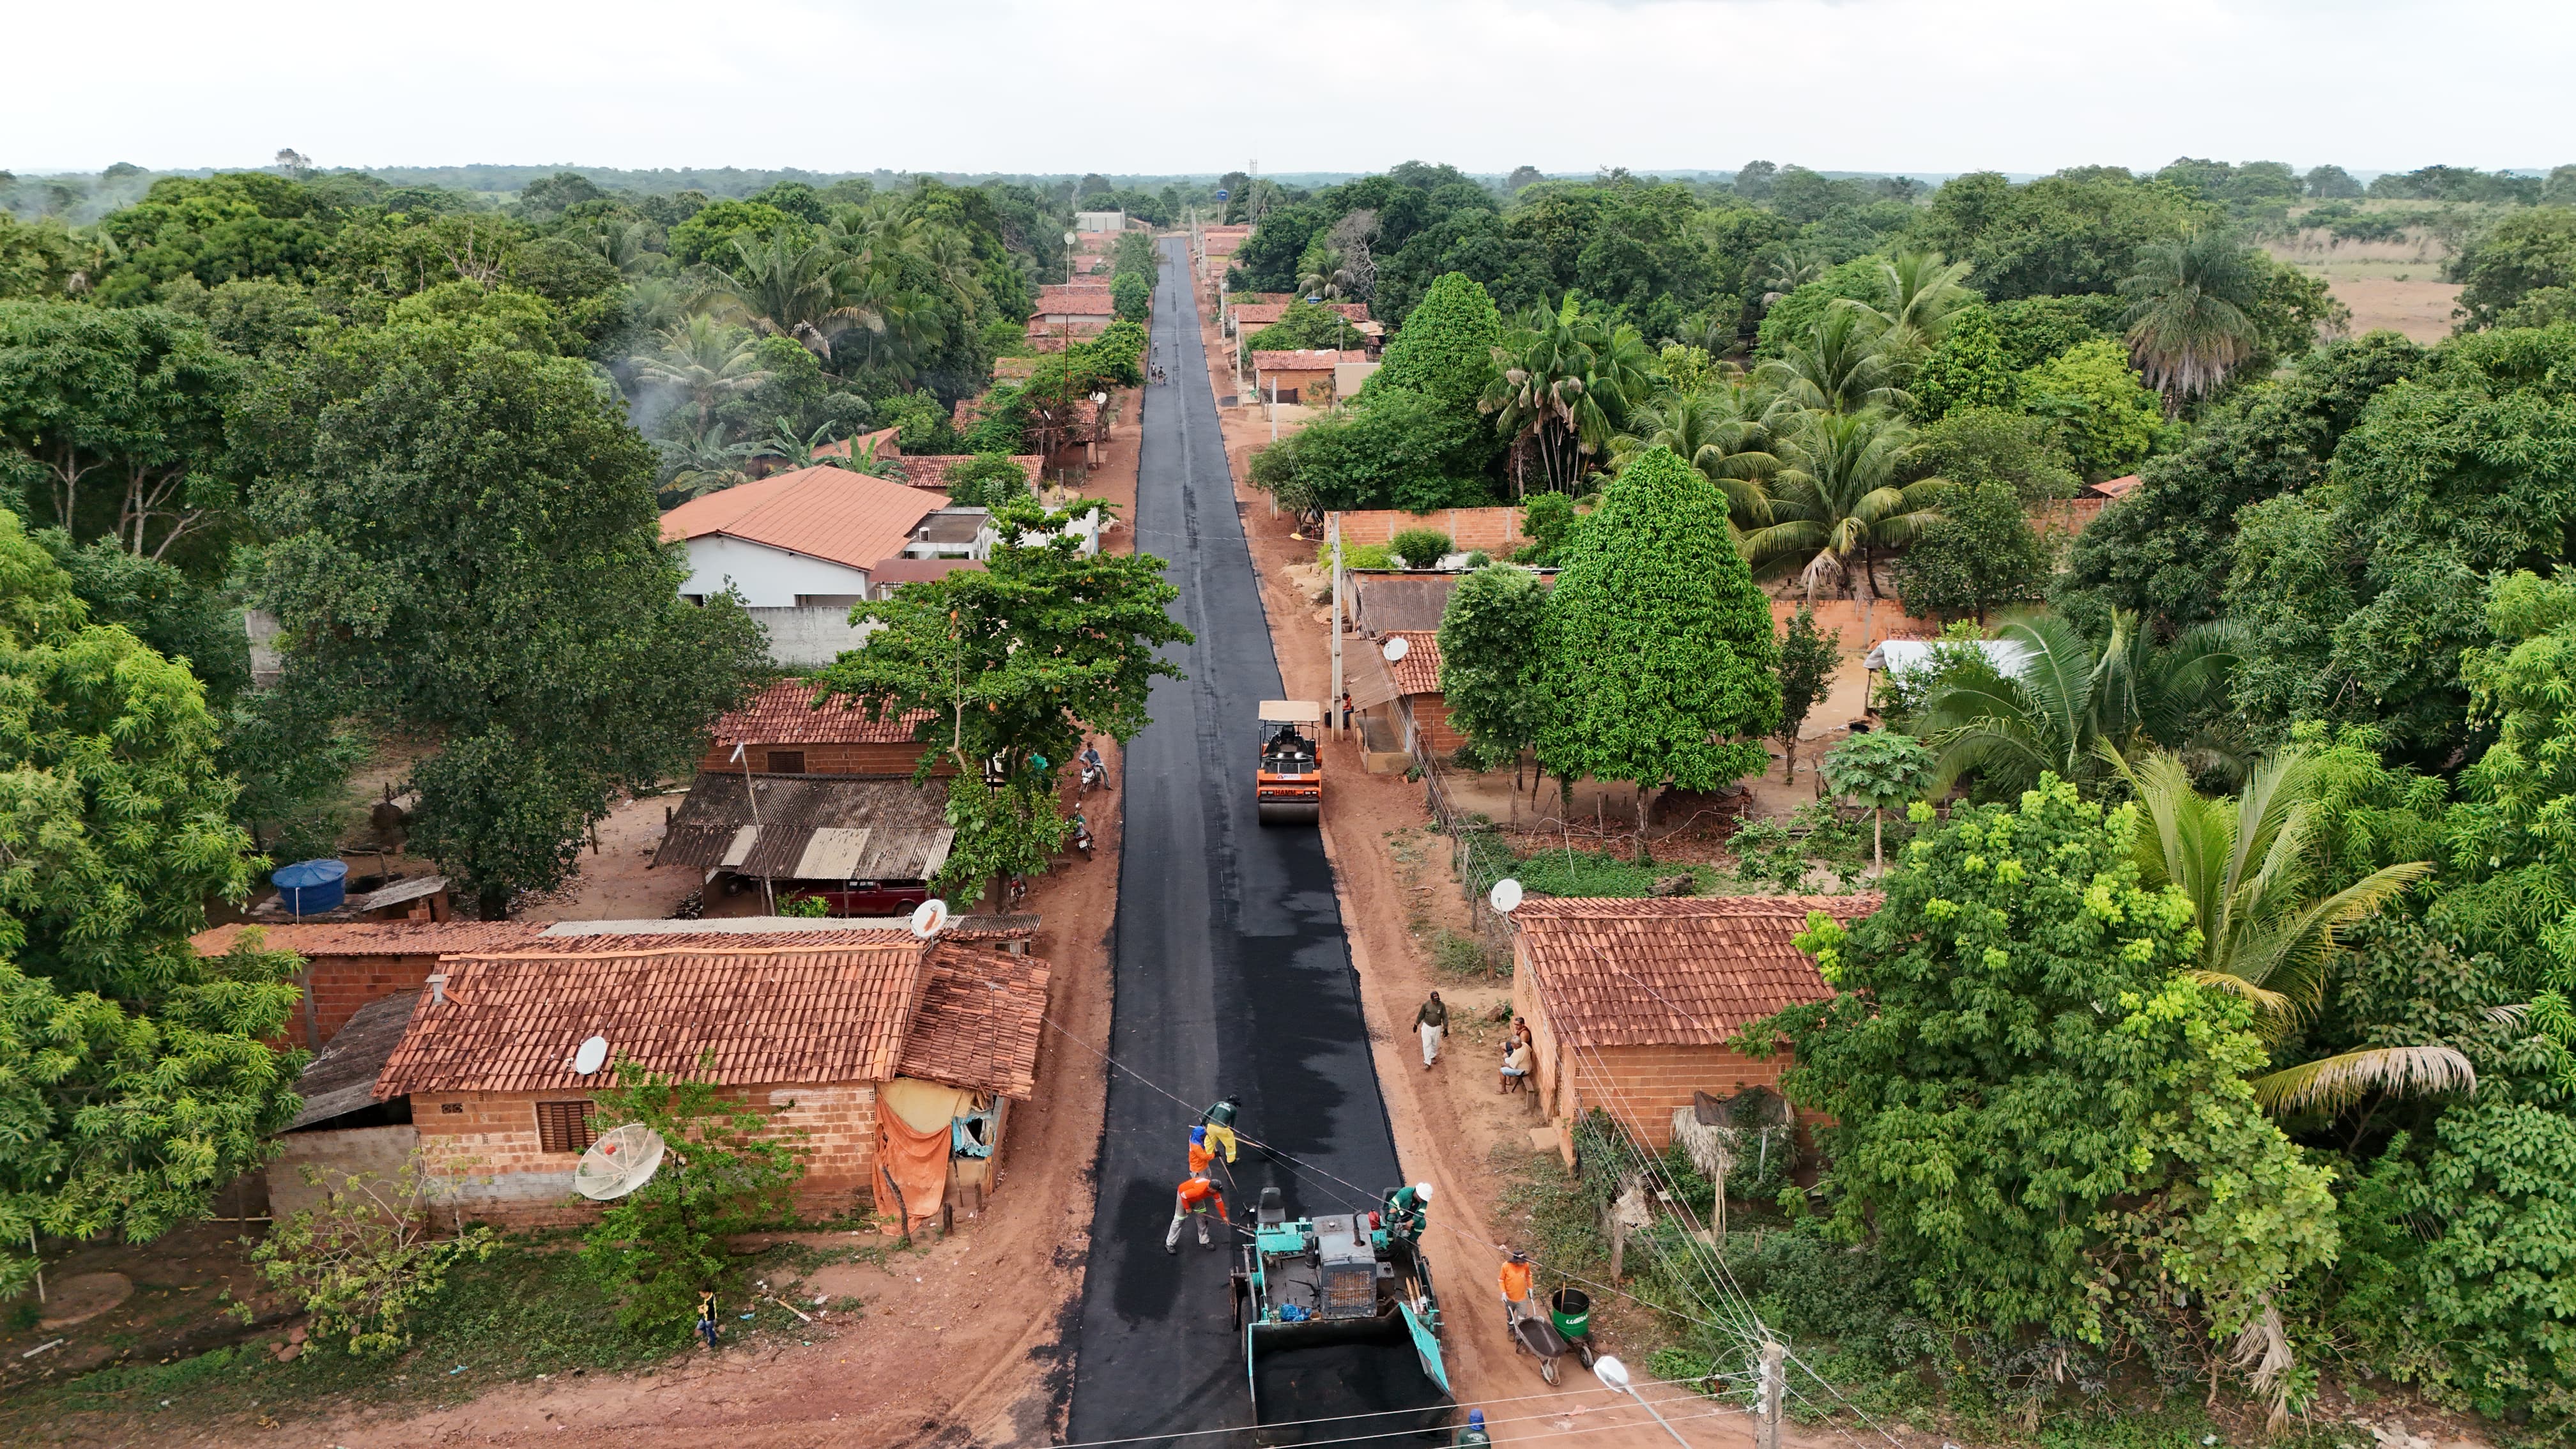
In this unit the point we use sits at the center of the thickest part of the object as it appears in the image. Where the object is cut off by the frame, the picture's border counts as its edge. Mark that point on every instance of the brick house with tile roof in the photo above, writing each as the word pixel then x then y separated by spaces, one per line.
pixel 843 1034
pixel 1631 1003
pixel 350 964
pixel 782 733
pixel 1305 373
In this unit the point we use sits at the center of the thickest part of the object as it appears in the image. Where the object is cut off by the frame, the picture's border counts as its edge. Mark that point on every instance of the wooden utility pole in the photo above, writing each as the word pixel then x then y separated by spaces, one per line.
pixel 1333 701
pixel 1775 1379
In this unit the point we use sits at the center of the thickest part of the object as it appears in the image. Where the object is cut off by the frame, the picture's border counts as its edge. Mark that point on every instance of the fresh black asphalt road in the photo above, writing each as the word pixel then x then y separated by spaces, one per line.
pixel 1232 972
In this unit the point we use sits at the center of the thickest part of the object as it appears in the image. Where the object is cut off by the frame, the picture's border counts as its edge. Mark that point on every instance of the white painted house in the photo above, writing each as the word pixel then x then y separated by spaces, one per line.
pixel 801 548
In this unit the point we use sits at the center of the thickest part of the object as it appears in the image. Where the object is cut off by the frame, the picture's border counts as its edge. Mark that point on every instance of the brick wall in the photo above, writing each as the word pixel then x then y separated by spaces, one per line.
pixel 1495 530
pixel 1430 716
pixel 890 759
pixel 487 1160
pixel 341 984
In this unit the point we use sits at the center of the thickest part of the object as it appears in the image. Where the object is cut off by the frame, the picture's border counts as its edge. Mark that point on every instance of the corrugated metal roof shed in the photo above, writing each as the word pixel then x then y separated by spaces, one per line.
pixel 847 828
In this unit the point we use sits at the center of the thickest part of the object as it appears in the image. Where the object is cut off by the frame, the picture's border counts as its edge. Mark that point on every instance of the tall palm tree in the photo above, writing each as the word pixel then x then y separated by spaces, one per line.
pixel 1838 501
pixel 1326 279
pixel 1919 294
pixel 1839 366
pixel 1784 267
pixel 2069 702
pixel 791 285
pixel 2187 319
pixel 1721 432
pixel 700 463
pixel 707 359
pixel 1566 383
pixel 2252 867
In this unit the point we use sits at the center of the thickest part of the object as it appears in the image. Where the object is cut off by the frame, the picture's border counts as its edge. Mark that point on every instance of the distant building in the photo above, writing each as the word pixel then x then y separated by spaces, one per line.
pixel 1100 221
pixel 1305 374
pixel 799 548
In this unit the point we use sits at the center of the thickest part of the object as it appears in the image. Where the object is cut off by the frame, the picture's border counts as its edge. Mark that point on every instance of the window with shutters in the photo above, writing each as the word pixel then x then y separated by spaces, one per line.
pixel 565 1126
pixel 787 762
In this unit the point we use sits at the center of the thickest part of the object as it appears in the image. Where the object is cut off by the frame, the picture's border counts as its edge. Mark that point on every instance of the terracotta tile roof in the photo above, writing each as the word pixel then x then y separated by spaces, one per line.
pixel 1262 314
pixel 1225 246
pixel 805 1013
pixel 931 470
pixel 1304 359
pixel 826 513
pixel 372 938
pixel 1076 283
pixel 1686 972
pixel 784 714
pixel 901 570
pixel 887 442
pixel 980 1020
pixel 1418 672
pixel 2115 487
pixel 1085 302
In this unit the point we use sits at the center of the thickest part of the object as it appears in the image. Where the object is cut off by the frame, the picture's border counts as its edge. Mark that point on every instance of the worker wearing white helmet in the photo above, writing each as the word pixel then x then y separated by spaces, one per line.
pixel 1408 1209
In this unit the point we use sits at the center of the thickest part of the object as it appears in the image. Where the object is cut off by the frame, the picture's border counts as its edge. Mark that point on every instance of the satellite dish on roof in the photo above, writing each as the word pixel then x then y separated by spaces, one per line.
pixel 591 1057
pixel 1505 897
pixel 928 917
pixel 1396 648
pixel 622 1160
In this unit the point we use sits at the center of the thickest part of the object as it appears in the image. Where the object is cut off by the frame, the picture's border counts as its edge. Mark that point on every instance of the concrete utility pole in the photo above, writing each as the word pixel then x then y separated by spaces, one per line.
pixel 1333 701
pixel 1775 1379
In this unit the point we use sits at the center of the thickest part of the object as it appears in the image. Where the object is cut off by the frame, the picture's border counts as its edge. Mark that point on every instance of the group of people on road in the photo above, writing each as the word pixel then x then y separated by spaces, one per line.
pixel 1211 1139
pixel 1431 1022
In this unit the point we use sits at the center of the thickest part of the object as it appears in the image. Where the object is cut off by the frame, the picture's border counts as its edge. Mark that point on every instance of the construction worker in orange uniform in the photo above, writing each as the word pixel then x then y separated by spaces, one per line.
pixel 1195 1195
pixel 1517 1304
pixel 1200 1154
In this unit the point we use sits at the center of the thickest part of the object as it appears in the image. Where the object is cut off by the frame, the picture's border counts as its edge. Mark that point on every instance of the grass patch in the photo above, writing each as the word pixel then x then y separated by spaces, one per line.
pixel 532 1309
pixel 1595 873
pixel 1461 955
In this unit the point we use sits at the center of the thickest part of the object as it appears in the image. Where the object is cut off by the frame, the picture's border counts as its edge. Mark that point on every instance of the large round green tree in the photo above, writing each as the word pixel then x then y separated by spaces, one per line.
pixel 1659 665
pixel 1446 349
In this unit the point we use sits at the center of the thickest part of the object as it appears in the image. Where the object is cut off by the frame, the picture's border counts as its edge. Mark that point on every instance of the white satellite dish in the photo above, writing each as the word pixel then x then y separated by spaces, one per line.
pixel 592 1055
pixel 622 1160
pixel 1505 897
pixel 1397 648
pixel 928 917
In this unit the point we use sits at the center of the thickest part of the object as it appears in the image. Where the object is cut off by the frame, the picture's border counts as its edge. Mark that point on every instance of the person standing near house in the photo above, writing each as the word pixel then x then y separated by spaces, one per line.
pixel 1346 711
pixel 1432 1020
pixel 1219 1121
pixel 1195 1195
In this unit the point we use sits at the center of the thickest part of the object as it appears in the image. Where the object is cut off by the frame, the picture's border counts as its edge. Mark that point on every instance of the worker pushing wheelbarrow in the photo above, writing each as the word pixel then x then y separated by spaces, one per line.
pixel 1565 1328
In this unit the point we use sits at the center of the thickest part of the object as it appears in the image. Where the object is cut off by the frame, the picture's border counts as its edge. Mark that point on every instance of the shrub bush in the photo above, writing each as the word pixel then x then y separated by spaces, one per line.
pixel 1420 548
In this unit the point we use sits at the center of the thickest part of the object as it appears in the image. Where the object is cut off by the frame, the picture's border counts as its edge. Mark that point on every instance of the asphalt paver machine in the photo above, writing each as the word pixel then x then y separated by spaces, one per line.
pixel 1289 790
pixel 1338 1318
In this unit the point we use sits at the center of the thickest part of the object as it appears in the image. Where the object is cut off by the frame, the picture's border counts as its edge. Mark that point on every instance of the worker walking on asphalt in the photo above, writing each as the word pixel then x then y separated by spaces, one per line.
pixel 1219 1121
pixel 1433 1020
pixel 1474 1433
pixel 1516 1285
pixel 1195 1195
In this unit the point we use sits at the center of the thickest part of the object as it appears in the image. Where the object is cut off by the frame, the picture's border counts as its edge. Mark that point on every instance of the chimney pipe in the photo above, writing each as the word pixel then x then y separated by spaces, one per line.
pixel 438 989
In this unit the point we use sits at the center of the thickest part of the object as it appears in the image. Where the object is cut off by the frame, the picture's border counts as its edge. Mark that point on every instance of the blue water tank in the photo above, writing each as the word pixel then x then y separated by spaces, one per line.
pixel 310 887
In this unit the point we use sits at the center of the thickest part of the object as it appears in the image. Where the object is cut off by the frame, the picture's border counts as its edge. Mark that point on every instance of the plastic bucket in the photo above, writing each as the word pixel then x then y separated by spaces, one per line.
pixel 1571 1309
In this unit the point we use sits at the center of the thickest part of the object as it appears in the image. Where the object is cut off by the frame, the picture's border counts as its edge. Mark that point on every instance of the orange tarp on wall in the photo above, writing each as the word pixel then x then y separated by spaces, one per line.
pixel 919 1162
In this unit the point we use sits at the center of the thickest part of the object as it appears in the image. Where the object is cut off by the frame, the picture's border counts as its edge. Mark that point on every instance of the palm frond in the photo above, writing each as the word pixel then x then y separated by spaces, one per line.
pixel 2330 1084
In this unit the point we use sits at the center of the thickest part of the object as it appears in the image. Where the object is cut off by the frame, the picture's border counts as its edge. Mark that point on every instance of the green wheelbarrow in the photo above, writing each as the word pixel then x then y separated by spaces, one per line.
pixel 1570 1309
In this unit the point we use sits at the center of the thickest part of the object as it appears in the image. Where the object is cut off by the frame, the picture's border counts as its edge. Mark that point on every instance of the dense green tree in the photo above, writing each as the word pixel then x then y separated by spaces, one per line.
pixel 1880 769
pixel 1304 324
pixel 2520 254
pixel 2331 183
pixel 1796 316
pixel 2106 420
pixel 710 234
pixel 2513 835
pixel 2031 330
pixel 1723 430
pixel 1982 554
pixel 987 480
pixel 112 421
pixel 1659 662
pixel 2167 549
pixel 174 615
pixel 2360 595
pixel 215 229
pixel 1394 448
pixel 467 547
pixel 1966 369
pixel 1133 296
pixel 1446 350
pixel 2076 231
pixel 134 1078
pixel 1020 660
pixel 1489 662
pixel 2035 1114
pixel 1976 446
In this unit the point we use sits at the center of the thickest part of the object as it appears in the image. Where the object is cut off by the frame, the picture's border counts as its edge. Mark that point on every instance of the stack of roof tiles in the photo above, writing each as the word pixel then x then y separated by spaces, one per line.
pixel 1662 972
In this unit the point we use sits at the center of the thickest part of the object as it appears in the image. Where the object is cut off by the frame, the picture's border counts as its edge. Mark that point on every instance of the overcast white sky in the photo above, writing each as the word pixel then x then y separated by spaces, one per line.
pixel 1163 86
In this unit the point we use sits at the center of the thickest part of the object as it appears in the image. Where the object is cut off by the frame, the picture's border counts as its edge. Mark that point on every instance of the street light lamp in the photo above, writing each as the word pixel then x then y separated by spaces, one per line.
pixel 1609 1370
